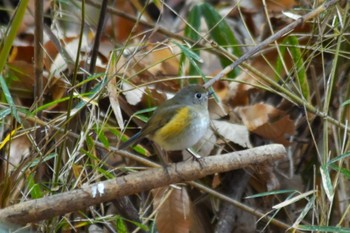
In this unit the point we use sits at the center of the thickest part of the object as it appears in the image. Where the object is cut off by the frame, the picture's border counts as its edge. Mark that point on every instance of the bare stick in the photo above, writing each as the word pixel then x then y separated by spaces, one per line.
pixel 38 52
pixel 59 204
pixel 38 63
pixel 271 39
pixel 98 36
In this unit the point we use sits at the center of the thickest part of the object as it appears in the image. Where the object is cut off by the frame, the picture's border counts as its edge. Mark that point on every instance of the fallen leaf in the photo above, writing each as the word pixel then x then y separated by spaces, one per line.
pixel 113 94
pixel 21 85
pixel 19 149
pixel 151 63
pixel 271 5
pixel 174 212
pixel 133 95
pixel 235 133
pixel 268 122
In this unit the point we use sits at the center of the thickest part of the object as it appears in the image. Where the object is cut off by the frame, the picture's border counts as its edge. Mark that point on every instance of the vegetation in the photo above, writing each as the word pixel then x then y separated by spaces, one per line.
pixel 79 77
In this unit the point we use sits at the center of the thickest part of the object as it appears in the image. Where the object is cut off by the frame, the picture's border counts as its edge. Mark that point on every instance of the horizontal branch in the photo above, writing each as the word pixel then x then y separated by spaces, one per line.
pixel 88 195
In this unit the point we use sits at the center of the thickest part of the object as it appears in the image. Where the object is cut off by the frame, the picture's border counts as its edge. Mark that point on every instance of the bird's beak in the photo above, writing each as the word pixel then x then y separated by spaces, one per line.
pixel 210 93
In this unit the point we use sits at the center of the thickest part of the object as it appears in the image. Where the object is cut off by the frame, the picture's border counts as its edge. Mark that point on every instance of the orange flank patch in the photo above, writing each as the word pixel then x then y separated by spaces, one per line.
pixel 174 127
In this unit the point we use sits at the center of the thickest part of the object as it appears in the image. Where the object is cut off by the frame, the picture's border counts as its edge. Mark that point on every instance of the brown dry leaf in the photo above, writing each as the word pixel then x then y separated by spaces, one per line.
pixel 28 19
pixel 216 181
pixel 60 63
pixel 235 133
pixel 169 62
pixel 60 57
pixel 148 96
pixel 113 95
pixel 272 5
pixel 218 110
pixel 22 53
pixel 239 91
pixel 221 89
pixel 23 83
pixel 268 122
pixel 281 5
pixel 238 94
pixel 19 149
pixel 77 170
pixel 11 171
pixel 264 178
pixel 118 27
pixel 155 98
pixel 174 212
pixel 150 64
pixel 51 50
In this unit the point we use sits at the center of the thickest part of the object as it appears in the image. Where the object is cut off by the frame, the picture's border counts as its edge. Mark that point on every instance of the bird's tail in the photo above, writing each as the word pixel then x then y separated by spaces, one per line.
pixel 133 140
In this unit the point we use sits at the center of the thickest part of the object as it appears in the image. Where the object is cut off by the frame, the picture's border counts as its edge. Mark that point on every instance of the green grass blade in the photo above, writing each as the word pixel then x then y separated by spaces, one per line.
pixel 4 113
pixel 34 188
pixel 102 137
pixel 300 67
pixel 327 182
pixel 12 32
pixel 191 31
pixel 279 62
pixel 221 33
pixel 340 157
pixel 5 50
pixel 323 229
pixel 8 97
pixel 343 171
pixel 48 105
pixel 345 103
pixel 88 97
pixel 292 44
pixel 193 23
pixel 193 58
pixel 308 207
pixel 275 192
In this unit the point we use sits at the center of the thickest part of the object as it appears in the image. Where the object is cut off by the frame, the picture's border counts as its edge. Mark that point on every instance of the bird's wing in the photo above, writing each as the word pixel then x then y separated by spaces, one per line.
pixel 160 118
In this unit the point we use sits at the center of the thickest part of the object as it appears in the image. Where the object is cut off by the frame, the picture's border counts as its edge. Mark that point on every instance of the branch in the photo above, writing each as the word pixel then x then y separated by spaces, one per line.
pixel 39 55
pixel 88 195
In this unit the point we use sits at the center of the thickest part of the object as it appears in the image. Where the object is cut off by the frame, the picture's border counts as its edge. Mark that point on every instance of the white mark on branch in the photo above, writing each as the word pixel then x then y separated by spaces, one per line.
pixel 99 188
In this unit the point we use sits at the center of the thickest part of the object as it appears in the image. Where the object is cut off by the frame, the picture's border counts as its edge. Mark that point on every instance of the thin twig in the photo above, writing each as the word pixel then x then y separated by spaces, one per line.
pixel 38 71
pixel 98 35
pixel 38 55
pixel 94 53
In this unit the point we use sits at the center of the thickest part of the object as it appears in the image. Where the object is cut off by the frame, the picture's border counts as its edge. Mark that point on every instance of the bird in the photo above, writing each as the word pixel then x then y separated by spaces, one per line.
pixel 178 123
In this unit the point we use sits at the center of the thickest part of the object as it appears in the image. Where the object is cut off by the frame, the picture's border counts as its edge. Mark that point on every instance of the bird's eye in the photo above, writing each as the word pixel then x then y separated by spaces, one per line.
pixel 198 95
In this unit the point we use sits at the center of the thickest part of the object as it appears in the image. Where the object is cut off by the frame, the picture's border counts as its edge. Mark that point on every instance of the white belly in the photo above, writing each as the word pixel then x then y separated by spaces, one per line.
pixel 191 135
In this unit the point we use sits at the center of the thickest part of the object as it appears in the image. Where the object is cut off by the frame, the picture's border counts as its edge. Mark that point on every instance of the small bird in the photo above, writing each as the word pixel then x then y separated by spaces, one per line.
pixel 179 122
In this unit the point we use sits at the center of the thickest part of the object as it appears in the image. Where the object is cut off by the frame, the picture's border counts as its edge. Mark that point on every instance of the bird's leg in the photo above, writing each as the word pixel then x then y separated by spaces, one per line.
pixel 163 157
pixel 195 156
